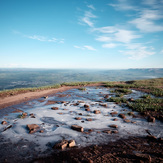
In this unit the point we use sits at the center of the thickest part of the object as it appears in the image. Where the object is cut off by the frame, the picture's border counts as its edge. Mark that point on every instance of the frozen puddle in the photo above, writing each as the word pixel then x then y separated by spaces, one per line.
pixel 56 124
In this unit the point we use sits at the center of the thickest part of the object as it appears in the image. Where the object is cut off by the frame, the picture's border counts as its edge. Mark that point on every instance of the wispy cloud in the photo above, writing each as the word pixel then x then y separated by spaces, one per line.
pixel 110 45
pixel 103 39
pixel 87 19
pixel 89 47
pixel 137 51
pixel 146 21
pixel 85 47
pixel 91 7
pixel 39 37
pixel 123 5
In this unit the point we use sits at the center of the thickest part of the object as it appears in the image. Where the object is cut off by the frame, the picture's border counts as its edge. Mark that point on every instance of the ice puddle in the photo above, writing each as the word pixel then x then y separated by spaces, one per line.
pixel 56 124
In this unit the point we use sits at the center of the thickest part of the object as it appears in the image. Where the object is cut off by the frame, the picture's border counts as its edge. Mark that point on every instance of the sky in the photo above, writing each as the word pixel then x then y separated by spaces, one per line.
pixel 93 34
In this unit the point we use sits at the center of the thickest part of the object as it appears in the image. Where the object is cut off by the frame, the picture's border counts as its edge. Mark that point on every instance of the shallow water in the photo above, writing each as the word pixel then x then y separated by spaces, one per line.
pixel 57 123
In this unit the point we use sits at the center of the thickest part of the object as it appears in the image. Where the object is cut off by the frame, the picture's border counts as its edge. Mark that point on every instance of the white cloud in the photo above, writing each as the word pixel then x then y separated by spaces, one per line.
pixel 103 38
pixel 91 7
pixel 107 29
pixel 89 47
pixel 111 45
pixel 87 19
pixel 123 5
pixel 139 53
pixel 125 36
pixel 161 51
pixel 85 47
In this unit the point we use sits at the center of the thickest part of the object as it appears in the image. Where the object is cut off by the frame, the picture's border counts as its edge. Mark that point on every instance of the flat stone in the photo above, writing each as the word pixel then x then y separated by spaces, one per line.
pixel 97 111
pixel 122 116
pixel 115 119
pixel 127 121
pixel 114 132
pixel 61 145
pixel 32 128
pixel 77 128
pixel 107 131
pixel 86 106
pixel 54 108
pixel 104 105
pixel 113 126
pixel 87 109
pixel 113 113
pixel 4 123
pixel 78 118
pixel 89 119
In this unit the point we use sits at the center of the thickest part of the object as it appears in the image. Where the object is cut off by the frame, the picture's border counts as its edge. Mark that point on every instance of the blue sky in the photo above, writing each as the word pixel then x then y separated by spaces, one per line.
pixel 105 34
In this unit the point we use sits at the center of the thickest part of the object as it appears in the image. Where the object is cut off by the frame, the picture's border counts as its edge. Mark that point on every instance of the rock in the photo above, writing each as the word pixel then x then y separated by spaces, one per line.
pixel 89 119
pixel 131 100
pixel 45 97
pixel 87 109
pixel 97 111
pixel 90 130
pixel 32 115
pixel 130 113
pixel 86 106
pixel 32 128
pixel 61 145
pixel 113 126
pixel 78 118
pixel 127 121
pixel 8 127
pixel 106 96
pixel 4 123
pixel 122 116
pixel 41 131
pixel 71 143
pixel 107 131
pixel 151 119
pixel 133 122
pixel 151 137
pixel 80 114
pixel 145 157
pixel 115 119
pixel 113 113
pixel 104 105
pixel 114 132
pixel 54 108
pixel 77 128
pixel 24 114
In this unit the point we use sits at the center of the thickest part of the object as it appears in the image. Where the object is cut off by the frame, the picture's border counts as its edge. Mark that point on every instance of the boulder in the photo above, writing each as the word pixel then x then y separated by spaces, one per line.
pixel 122 116
pixel 106 96
pixel 54 108
pixel 96 111
pixel 33 128
pixel 114 131
pixel 71 143
pixel 77 128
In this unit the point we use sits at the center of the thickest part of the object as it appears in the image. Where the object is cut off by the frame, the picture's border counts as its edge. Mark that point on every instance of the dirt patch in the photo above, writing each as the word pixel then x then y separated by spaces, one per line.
pixel 134 149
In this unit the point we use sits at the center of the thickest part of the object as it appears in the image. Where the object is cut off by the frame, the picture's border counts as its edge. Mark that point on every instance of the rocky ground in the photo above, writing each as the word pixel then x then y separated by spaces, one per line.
pixel 79 125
